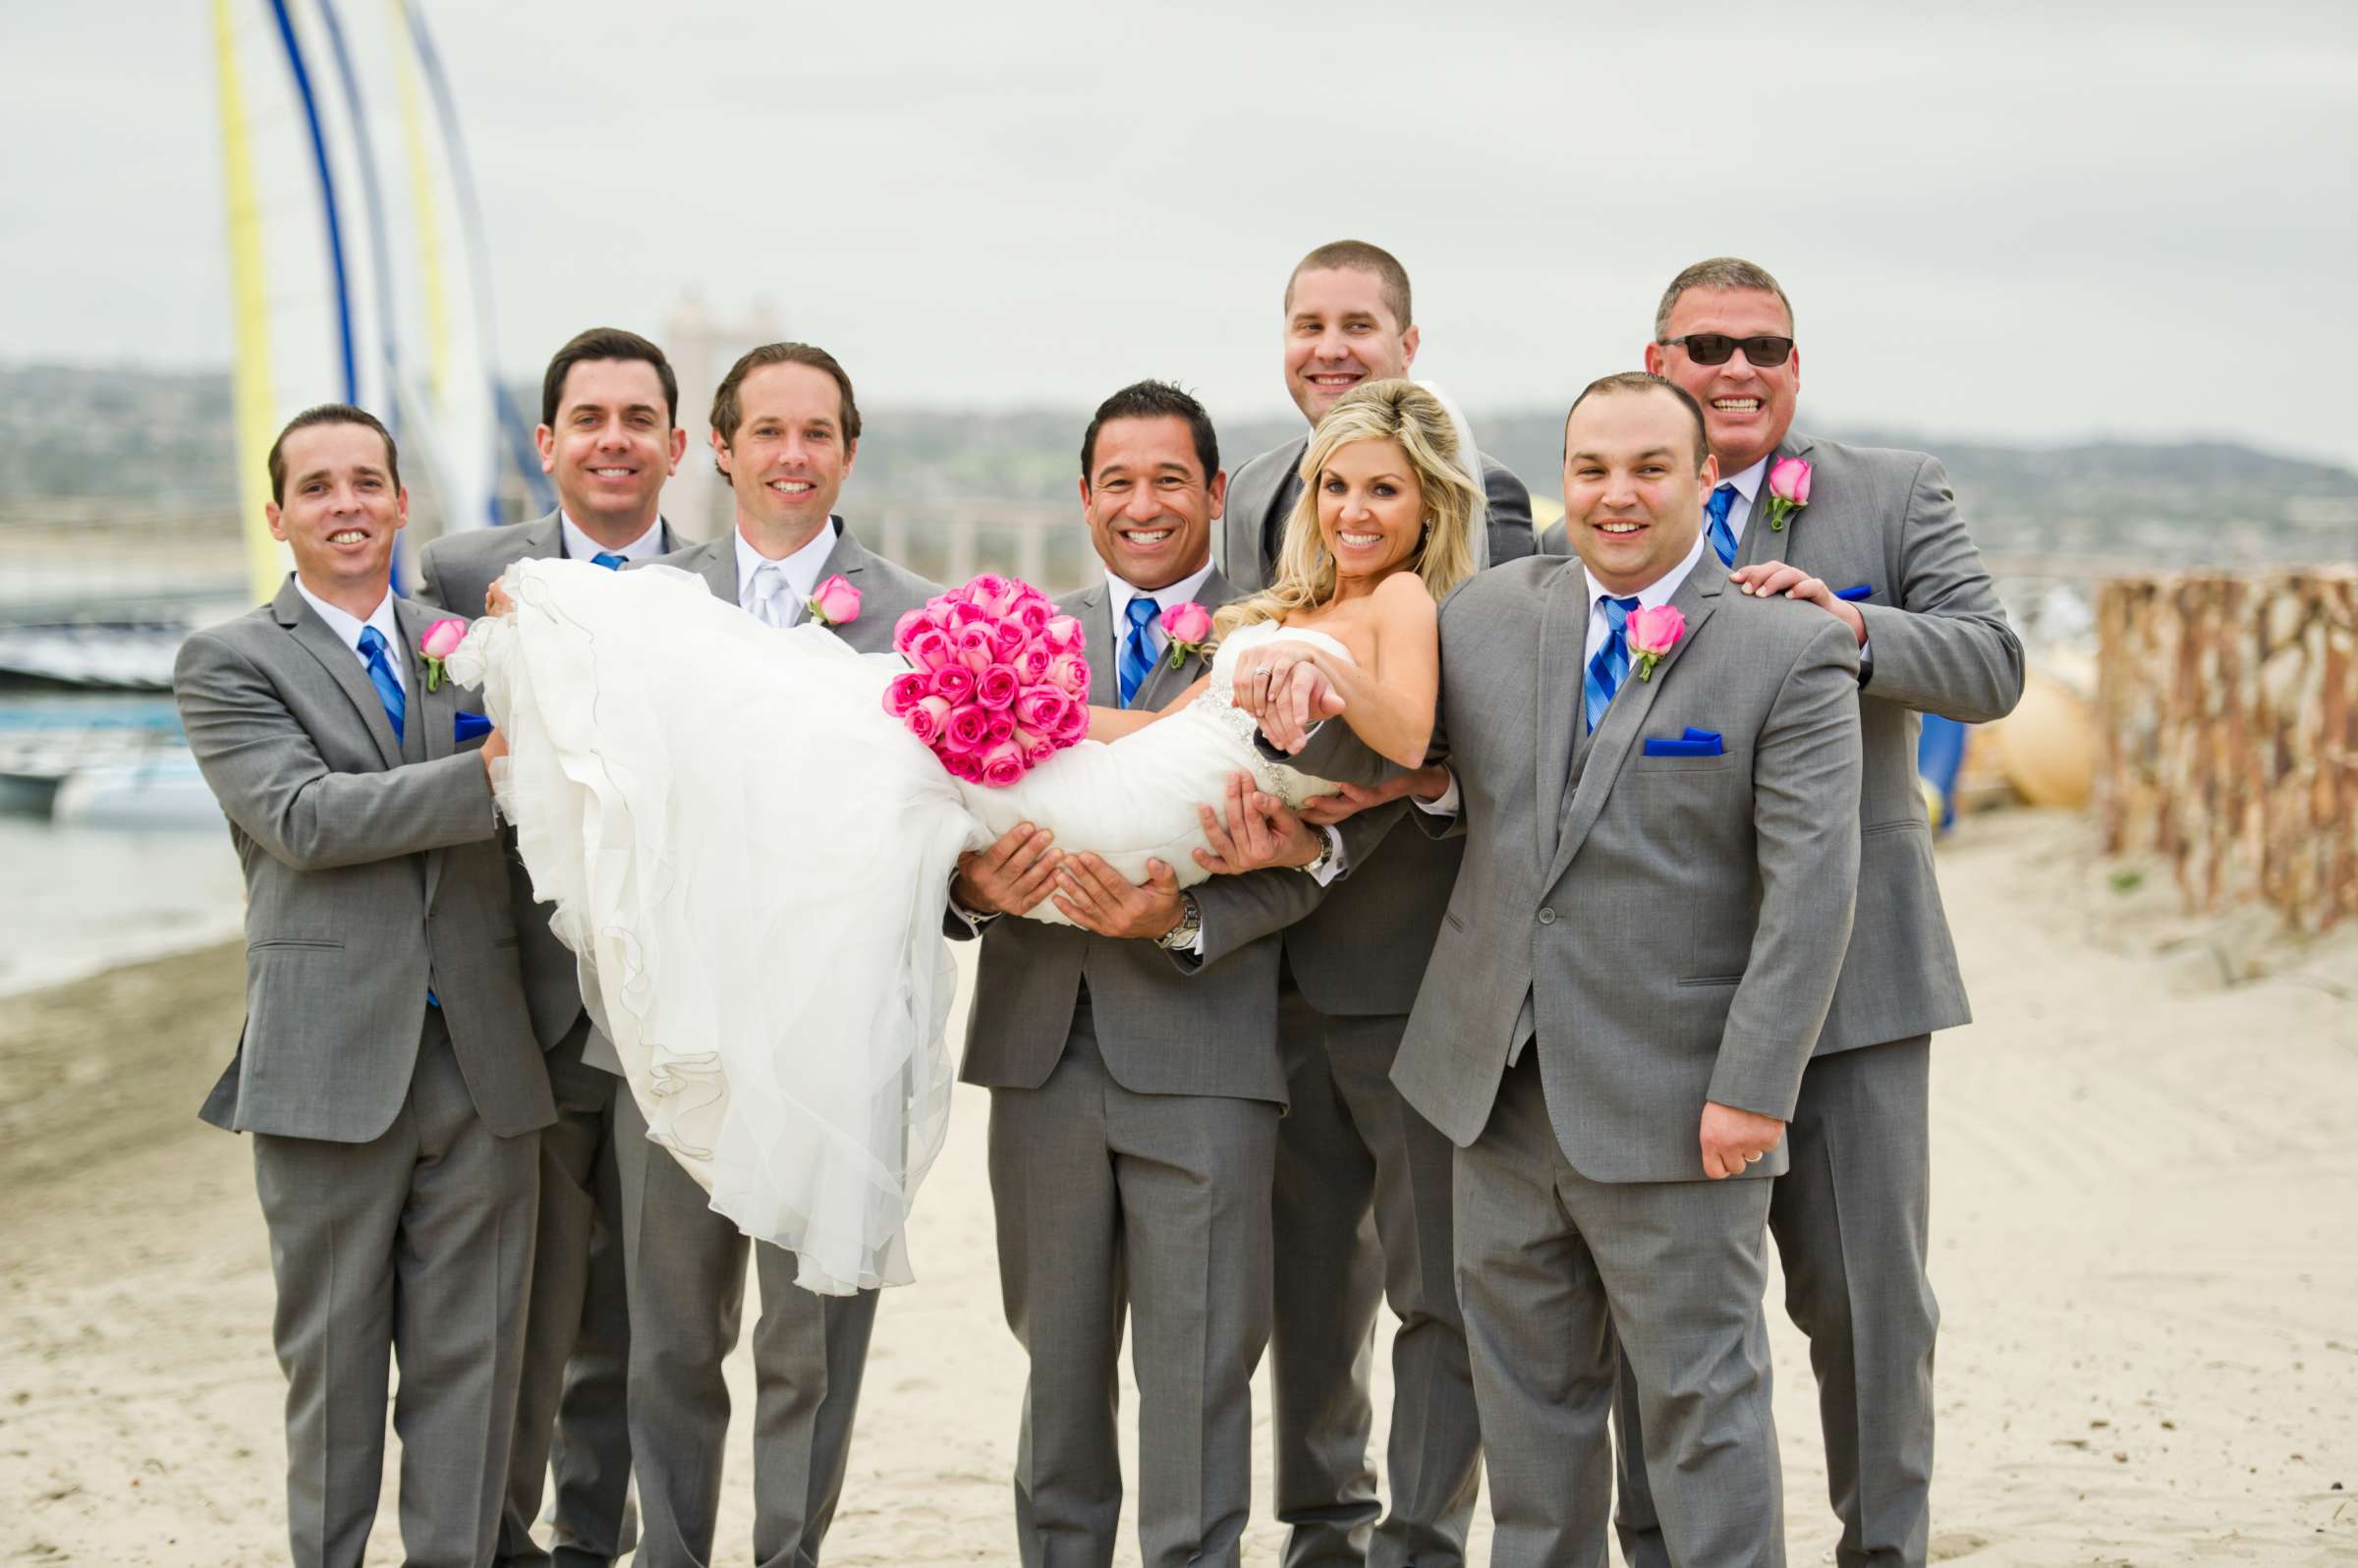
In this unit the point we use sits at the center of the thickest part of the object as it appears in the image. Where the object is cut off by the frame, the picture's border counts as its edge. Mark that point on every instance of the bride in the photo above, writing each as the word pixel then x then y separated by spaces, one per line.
pixel 756 905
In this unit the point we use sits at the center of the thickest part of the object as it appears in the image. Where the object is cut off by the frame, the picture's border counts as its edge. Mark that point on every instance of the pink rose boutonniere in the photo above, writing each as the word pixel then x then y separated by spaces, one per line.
pixel 1788 490
pixel 441 640
pixel 1189 628
pixel 836 604
pixel 1654 631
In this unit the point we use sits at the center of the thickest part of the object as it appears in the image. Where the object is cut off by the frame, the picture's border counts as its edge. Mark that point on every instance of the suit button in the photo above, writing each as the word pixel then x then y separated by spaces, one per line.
pixel 1546 916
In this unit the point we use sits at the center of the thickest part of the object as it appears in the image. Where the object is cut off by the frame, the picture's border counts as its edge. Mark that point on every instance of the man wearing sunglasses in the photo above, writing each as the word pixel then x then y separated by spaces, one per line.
pixel 1879 545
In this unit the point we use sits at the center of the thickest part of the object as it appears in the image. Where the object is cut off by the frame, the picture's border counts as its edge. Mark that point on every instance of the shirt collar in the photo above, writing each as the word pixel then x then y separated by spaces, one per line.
pixel 348 626
pixel 1748 480
pixel 580 546
pixel 802 567
pixel 1656 592
pixel 1120 593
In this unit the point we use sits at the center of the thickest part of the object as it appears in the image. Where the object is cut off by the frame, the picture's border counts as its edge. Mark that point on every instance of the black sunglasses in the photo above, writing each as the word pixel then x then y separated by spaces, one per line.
pixel 1715 348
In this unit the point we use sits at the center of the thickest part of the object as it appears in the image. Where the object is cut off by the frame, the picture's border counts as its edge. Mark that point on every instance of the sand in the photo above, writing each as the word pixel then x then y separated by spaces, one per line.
pixel 2146 1191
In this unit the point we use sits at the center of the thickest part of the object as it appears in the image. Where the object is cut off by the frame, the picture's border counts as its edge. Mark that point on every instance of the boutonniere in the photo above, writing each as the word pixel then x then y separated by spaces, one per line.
pixel 1788 490
pixel 836 604
pixel 441 640
pixel 1654 631
pixel 1189 628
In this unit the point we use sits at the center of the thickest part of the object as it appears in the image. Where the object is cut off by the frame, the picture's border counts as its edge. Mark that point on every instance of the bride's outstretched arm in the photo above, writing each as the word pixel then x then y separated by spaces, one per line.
pixel 1388 703
pixel 1113 723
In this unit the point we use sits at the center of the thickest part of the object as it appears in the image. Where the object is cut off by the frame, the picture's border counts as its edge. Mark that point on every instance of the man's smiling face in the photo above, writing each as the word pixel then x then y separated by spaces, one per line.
pixel 1340 333
pixel 789 458
pixel 1150 504
pixel 1747 409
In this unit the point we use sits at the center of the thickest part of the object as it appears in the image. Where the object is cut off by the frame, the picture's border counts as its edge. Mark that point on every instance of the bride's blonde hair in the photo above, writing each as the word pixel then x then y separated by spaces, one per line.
pixel 1401 412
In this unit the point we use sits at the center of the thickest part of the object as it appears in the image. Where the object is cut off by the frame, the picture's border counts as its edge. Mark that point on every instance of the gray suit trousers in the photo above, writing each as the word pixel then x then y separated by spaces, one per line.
pixel 1550 1265
pixel 571 1415
pixel 1158 1205
pixel 687 1289
pixel 1362 1214
pixel 1850 1220
pixel 413 1247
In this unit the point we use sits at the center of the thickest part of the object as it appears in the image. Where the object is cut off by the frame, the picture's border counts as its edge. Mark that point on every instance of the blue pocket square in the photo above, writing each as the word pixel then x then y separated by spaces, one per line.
pixel 1865 590
pixel 465 726
pixel 1697 743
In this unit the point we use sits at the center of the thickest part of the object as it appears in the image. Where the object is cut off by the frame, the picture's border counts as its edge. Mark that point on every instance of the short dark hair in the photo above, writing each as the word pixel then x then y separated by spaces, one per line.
pixel 328 413
pixel 1626 382
pixel 1154 399
pixel 1357 255
pixel 727 415
pixel 605 343
pixel 1720 272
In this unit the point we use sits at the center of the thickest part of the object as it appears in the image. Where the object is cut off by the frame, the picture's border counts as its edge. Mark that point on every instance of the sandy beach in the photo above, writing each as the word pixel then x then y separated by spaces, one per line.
pixel 2145 1186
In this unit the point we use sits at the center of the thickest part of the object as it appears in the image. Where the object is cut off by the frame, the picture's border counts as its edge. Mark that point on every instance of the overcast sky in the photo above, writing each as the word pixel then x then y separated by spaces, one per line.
pixel 2022 221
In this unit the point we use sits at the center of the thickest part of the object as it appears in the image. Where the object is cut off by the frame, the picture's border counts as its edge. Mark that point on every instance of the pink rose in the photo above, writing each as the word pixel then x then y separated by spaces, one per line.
pixel 1008 639
pixel 977 649
pixel 1036 747
pixel 997 688
pixel 991 593
pixel 1032 664
pixel 1655 629
pixel 964 764
pixel 952 681
pixel 1071 673
pixel 1003 764
pixel 907 627
pixel 932 650
pixel 1042 707
pixel 1034 614
pixel 1064 634
pixel 905 692
pixel 442 639
pixel 964 613
pixel 1073 727
pixel 1790 481
pixel 967 727
pixel 997 727
pixel 1187 623
pixel 926 718
pixel 837 603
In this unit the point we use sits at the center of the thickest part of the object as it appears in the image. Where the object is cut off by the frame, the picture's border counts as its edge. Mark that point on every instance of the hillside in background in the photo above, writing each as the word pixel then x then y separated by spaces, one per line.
pixel 163 440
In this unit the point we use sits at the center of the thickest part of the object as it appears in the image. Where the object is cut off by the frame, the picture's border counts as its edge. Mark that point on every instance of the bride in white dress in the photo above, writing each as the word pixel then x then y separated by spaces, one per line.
pixel 751 857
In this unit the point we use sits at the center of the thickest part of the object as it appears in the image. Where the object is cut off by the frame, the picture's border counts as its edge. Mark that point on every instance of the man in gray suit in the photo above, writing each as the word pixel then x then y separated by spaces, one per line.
pixel 1658 881
pixel 388 1069
pixel 785 431
pixel 1878 546
pixel 609 436
pixel 1133 1067
pixel 1348 1148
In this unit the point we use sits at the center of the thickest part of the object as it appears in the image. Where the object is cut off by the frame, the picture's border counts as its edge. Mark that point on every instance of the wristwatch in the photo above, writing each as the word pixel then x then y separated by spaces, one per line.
pixel 1324 858
pixel 1181 938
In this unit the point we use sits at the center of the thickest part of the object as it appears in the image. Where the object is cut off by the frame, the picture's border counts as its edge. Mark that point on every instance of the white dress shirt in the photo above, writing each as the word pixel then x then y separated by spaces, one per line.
pixel 1748 490
pixel 348 626
pixel 801 570
pixel 1119 594
pixel 580 546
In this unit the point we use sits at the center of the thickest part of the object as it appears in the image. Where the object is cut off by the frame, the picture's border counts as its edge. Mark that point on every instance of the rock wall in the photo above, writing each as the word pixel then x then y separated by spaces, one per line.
pixel 2229 705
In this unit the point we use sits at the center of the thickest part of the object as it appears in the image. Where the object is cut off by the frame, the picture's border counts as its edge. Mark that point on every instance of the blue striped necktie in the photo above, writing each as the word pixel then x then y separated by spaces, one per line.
pixel 1724 538
pixel 1611 667
pixel 381 676
pixel 608 559
pixel 1138 649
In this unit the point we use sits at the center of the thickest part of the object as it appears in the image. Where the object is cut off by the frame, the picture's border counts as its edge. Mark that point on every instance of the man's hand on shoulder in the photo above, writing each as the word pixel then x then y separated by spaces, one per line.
pixel 1733 1139
pixel 1011 876
pixel 1767 580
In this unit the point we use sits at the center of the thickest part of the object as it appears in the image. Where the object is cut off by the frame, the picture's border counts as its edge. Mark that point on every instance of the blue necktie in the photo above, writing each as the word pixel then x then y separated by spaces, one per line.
pixel 1714 512
pixel 1611 667
pixel 608 559
pixel 381 676
pixel 1138 649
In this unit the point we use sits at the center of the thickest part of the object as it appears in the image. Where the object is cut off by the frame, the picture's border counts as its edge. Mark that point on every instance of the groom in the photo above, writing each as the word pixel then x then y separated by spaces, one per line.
pixel 609 436
pixel 785 431
pixel 1614 1026
pixel 388 1070
pixel 1132 1063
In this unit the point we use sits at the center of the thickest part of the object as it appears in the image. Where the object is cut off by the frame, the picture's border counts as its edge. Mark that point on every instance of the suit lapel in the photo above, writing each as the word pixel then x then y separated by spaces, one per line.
pixel 718 568
pixel 1762 542
pixel 1697 597
pixel 1162 682
pixel 847 560
pixel 543 540
pixel 343 666
pixel 1092 608
pixel 1563 636
pixel 434 715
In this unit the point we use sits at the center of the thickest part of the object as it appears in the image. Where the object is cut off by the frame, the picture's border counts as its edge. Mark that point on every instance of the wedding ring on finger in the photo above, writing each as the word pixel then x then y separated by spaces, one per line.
pixel 1751 1160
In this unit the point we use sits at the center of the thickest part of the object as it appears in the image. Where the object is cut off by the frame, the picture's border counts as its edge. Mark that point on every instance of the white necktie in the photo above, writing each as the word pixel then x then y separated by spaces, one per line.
pixel 772 602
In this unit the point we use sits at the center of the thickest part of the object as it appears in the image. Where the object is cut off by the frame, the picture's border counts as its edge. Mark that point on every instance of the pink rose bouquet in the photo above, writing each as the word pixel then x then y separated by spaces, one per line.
pixel 999 682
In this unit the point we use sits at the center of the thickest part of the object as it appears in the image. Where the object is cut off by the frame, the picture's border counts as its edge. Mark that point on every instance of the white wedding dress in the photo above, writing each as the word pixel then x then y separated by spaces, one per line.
pixel 752 859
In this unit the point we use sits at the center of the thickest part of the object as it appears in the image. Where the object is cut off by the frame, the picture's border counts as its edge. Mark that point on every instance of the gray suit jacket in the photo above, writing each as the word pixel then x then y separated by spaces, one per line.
pixel 1670 926
pixel 368 880
pixel 887 591
pixel 1167 1024
pixel 1264 491
pixel 1938 643
pixel 455 571
pixel 1362 951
